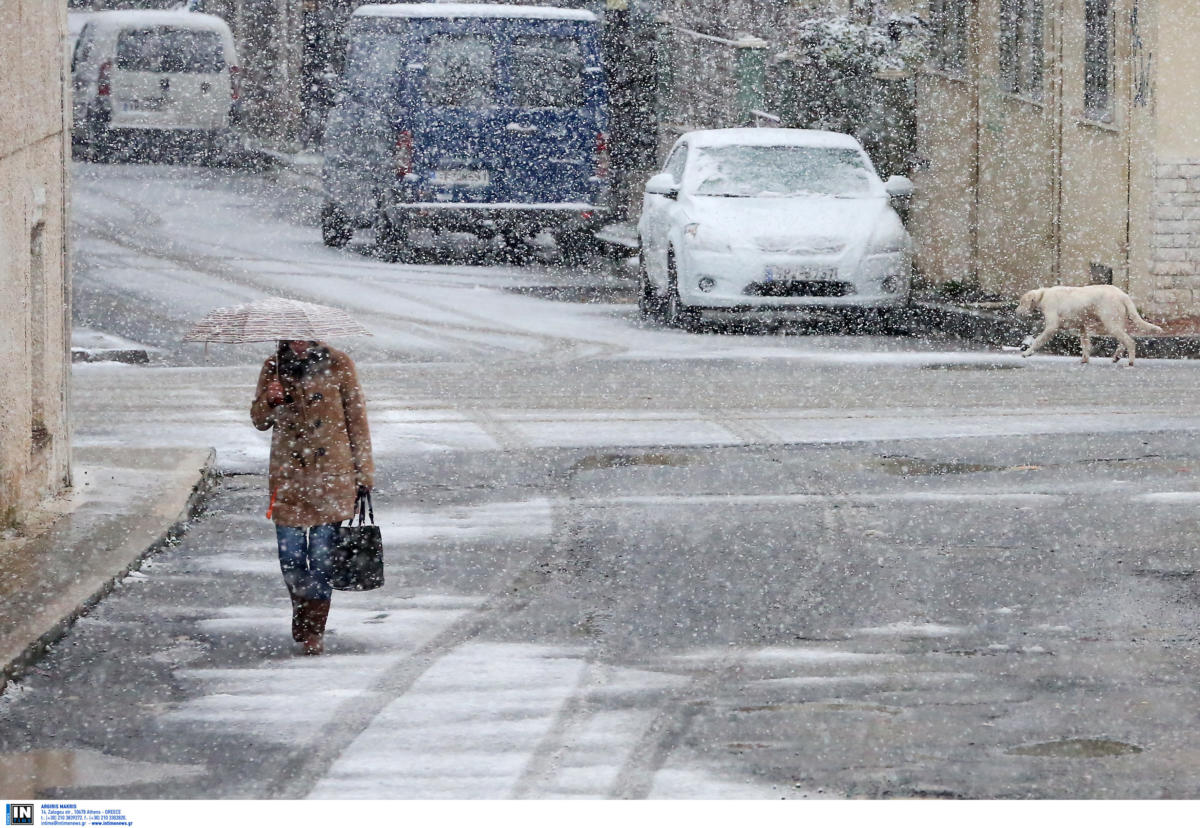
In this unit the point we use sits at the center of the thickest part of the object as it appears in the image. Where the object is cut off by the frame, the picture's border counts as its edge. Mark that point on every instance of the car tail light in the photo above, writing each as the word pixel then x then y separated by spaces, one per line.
pixel 104 79
pixel 603 160
pixel 235 82
pixel 404 153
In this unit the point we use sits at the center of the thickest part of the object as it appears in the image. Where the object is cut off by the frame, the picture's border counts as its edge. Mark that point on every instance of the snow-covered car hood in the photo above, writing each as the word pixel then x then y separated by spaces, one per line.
pixel 818 225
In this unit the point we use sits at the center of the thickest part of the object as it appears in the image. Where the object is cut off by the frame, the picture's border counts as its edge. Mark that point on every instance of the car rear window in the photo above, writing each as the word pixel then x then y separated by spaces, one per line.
pixel 460 71
pixel 164 49
pixel 373 63
pixel 547 72
pixel 765 171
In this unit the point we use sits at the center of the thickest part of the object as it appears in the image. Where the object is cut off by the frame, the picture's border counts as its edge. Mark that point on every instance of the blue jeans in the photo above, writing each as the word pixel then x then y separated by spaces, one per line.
pixel 304 558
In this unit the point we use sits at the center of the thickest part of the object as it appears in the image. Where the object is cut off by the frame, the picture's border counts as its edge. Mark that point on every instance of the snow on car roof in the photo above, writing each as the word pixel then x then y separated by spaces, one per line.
pixel 76 20
pixel 769 137
pixel 157 17
pixel 473 10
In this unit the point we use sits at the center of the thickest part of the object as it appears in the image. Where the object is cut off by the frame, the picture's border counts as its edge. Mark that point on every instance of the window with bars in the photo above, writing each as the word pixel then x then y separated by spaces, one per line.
pixel 1098 59
pixel 1022 50
pixel 950 23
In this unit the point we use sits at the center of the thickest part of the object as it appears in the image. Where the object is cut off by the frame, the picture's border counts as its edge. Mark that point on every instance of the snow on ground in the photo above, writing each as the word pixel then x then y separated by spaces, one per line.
pixel 500 521
pixel 491 718
pixel 121 405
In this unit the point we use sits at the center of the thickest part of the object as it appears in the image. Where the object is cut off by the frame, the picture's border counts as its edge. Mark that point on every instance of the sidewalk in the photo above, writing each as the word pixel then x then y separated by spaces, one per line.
pixel 996 323
pixel 125 504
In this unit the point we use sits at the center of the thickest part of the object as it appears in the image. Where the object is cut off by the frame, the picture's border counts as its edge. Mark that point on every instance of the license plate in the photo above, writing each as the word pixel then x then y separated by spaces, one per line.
pixel 789 273
pixel 460 178
pixel 143 104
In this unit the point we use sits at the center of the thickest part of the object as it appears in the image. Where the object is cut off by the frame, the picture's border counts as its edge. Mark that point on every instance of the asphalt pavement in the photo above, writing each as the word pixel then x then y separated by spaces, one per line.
pixel 624 561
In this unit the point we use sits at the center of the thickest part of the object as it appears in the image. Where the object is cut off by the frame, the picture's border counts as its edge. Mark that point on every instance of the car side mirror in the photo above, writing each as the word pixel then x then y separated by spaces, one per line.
pixel 663 184
pixel 899 186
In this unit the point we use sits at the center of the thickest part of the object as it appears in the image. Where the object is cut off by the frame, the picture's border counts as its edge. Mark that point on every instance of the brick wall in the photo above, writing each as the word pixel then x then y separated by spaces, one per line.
pixel 1175 243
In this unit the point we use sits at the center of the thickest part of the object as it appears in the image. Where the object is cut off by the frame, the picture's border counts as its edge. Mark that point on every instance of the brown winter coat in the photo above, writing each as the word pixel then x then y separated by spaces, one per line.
pixel 321 448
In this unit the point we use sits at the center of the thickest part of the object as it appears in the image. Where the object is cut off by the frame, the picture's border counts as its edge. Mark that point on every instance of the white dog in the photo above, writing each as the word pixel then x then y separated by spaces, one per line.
pixel 1088 307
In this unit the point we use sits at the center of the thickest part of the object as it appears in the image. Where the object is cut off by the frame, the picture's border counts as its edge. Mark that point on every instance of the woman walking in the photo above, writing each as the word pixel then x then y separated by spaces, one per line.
pixel 320 463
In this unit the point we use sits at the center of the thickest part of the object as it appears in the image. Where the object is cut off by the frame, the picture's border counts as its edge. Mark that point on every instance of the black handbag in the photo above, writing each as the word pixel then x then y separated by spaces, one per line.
pixel 357 556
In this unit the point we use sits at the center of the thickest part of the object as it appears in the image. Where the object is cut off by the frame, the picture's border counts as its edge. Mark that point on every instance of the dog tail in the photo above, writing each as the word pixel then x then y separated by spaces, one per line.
pixel 1139 323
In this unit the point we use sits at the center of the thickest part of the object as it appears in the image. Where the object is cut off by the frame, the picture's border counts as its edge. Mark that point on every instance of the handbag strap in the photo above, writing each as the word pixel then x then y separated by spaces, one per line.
pixel 364 507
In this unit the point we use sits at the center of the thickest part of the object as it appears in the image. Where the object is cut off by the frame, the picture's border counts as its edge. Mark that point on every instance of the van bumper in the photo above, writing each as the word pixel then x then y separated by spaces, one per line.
pixel 501 217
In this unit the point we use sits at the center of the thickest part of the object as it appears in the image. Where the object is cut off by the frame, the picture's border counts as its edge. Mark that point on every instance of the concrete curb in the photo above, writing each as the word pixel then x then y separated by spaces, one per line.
pixel 293 169
pixel 129 356
pixel 999 328
pixel 67 570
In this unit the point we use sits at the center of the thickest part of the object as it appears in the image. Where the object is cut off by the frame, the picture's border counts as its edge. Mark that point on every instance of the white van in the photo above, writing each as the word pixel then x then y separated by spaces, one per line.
pixel 152 70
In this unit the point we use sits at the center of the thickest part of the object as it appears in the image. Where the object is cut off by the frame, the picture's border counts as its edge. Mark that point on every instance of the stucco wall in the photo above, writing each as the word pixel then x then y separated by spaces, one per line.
pixel 1177 72
pixel 1018 191
pixel 34 295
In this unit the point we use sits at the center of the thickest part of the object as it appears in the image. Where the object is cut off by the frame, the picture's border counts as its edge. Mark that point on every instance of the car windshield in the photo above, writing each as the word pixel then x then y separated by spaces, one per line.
pixel 766 171
pixel 164 49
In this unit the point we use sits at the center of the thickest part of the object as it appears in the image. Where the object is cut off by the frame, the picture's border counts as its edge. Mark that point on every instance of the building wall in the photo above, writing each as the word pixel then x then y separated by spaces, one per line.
pixel 1172 246
pixel 1020 190
pixel 34 292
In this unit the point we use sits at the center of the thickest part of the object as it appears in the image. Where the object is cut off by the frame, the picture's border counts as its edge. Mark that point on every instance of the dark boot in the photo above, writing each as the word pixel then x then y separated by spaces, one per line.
pixel 298 632
pixel 316 613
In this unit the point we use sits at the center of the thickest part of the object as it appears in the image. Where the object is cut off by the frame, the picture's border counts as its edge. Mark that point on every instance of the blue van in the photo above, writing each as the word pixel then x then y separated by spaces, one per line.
pixel 486 118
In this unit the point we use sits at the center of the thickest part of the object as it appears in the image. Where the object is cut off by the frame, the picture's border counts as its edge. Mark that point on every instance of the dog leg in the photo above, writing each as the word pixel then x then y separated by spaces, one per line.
pixel 1127 343
pixel 1044 337
pixel 1118 353
pixel 1085 345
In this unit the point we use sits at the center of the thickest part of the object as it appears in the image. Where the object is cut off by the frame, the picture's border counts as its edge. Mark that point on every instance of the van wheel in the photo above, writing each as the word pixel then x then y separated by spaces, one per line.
pixel 391 238
pixel 517 249
pixel 577 246
pixel 336 230
pixel 97 145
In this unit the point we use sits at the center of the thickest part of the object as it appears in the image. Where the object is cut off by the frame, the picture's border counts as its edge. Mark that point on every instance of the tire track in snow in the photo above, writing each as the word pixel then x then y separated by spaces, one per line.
pixel 674 719
pixel 297 773
pixel 467 335
pixel 220 265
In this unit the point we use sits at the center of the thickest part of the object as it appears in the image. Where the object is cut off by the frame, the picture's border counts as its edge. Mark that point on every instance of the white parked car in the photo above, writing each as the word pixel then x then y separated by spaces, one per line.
pixel 771 219
pixel 143 70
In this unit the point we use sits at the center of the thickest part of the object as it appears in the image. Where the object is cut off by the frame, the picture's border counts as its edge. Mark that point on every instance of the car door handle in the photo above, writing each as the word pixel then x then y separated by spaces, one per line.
pixel 522 128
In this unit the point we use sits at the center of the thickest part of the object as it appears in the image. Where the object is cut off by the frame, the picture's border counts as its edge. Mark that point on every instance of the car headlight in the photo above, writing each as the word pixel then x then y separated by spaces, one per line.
pixel 705 238
pixel 887 246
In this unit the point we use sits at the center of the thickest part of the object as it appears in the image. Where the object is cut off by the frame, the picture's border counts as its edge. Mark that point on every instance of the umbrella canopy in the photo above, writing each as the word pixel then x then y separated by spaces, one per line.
pixel 270 319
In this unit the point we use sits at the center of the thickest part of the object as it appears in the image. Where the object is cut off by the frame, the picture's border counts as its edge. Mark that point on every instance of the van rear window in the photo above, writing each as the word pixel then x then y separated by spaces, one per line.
pixel 547 72
pixel 164 49
pixel 460 71
pixel 373 63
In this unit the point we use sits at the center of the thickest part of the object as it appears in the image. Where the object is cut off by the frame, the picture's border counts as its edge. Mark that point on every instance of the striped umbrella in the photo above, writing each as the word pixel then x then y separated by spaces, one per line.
pixel 270 319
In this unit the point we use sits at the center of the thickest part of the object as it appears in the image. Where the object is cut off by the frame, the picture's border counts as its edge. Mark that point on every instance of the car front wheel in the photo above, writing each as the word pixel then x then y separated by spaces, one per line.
pixel 649 302
pixel 678 315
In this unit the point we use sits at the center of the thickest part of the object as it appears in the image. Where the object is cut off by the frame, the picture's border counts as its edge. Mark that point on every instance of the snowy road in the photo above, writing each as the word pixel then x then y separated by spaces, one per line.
pixel 624 561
